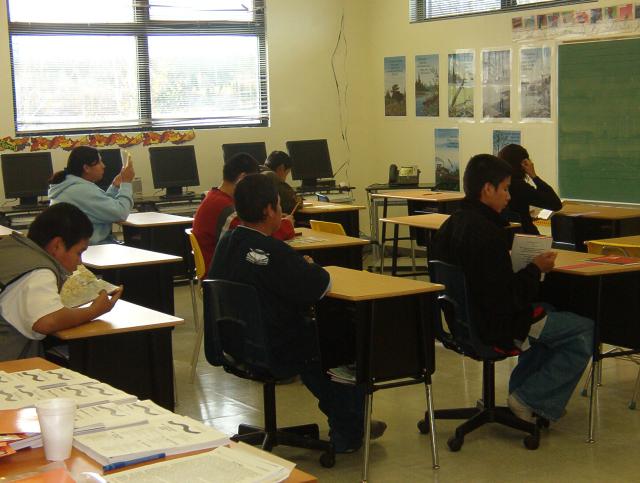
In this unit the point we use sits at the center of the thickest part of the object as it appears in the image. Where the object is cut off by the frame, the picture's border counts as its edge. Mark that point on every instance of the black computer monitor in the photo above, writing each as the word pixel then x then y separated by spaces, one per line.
pixel 112 159
pixel 310 160
pixel 257 150
pixel 173 168
pixel 26 176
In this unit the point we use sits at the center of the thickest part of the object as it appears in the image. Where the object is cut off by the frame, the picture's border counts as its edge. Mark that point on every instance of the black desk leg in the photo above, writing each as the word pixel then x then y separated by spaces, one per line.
pixel 383 237
pixel 394 253
pixel 595 366
pixel 368 406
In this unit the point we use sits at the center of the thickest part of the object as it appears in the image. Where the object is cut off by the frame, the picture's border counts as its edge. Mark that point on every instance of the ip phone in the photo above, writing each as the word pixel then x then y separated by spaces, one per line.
pixel 404 175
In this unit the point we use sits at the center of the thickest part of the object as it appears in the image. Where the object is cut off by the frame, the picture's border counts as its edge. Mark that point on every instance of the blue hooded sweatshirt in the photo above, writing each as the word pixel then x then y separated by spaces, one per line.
pixel 102 207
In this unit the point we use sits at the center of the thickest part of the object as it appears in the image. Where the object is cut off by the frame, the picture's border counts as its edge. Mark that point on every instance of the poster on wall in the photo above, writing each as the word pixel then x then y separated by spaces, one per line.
pixel 395 89
pixel 496 84
pixel 503 138
pixel 447 159
pixel 535 83
pixel 461 78
pixel 427 86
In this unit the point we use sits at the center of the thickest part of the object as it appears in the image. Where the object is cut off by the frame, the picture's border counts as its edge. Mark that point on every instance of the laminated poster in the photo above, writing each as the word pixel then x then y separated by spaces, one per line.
pixel 503 138
pixel 427 86
pixel 395 89
pixel 535 83
pixel 447 159
pixel 496 84
pixel 461 78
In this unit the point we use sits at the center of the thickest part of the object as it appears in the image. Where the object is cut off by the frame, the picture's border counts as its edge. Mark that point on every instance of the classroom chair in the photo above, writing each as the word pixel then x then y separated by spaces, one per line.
pixel 235 338
pixel 196 276
pixel 462 337
pixel 328 227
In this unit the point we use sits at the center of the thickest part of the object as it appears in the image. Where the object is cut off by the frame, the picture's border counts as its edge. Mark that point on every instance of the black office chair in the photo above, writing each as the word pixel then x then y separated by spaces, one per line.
pixel 235 338
pixel 462 336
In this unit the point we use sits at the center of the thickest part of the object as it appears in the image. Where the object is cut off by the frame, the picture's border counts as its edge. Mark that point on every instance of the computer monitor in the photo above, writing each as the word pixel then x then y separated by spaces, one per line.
pixel 257 150
pixel 310 160
pixel 26 176
pixel 173 168
pixel 112 159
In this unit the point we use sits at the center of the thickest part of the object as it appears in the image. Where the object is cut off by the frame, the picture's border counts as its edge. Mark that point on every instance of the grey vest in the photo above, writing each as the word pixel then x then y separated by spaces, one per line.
pixel 19 256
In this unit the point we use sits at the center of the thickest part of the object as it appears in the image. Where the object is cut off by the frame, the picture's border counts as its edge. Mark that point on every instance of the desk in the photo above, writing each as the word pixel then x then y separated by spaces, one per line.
pixel 330 249
pixel 4 231
pixel 608 294
pixel 579 222
pixel 160 232
pixel 347 215
pixel 31 459
pixel 394 321
pixel 20 217
pixel 626 245
pixel 147 276
pixel 129 348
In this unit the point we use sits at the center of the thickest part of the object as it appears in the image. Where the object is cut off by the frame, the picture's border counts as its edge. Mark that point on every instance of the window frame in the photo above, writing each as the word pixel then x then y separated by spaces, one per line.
pixel 418 11
pixel 142 27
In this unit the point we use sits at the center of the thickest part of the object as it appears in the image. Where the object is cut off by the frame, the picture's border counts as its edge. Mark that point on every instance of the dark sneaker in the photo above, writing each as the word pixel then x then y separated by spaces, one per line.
pixel 377 428
pixel 344 447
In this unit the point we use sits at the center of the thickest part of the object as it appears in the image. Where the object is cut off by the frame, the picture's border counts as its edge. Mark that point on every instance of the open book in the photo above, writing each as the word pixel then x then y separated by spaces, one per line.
pixel 527 247
pixel 82 287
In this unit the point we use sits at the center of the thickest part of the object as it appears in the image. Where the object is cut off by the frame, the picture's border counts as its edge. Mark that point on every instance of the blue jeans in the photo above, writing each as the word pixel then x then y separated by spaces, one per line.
pixel 343 404
pixel 548 372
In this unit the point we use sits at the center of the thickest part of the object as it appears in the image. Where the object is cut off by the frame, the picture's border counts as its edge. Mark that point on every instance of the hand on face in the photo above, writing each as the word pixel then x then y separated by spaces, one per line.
pixel 529 168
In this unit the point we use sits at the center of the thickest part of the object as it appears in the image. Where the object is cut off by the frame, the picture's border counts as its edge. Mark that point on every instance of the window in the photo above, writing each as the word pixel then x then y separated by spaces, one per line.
pixel 125 65
pixel 420 10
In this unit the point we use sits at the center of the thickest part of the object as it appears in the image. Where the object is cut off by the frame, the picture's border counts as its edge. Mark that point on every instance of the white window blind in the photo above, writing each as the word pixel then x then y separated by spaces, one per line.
pixel 97 65
pixel 421 10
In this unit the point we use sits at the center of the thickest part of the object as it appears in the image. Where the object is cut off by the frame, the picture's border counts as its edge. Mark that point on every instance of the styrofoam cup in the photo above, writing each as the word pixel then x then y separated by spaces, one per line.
pixel 56 418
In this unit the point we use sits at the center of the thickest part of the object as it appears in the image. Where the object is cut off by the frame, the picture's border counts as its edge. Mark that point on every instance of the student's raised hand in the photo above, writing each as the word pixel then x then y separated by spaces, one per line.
pixel 103 303
pixel 308 258
pixel 529 168
pixel 127 174
pixel 545 261
pixel 117 180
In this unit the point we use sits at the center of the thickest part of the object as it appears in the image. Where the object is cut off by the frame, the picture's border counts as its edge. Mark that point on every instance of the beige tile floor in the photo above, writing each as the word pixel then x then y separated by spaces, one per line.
pixel 492 454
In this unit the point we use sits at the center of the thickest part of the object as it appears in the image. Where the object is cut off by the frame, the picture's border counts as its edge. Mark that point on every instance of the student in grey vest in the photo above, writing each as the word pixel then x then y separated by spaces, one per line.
pixel 32 271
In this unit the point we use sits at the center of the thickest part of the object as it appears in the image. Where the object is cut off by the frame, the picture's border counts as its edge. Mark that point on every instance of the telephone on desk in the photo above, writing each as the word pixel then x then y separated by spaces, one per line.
pixel 405 175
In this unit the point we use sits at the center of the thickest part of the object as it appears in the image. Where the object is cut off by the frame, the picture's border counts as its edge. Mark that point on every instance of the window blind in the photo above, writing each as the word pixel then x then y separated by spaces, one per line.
pixel 95 65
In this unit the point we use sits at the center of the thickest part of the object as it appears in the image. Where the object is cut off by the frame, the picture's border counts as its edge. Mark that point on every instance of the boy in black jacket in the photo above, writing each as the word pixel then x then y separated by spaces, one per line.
pixel 556 346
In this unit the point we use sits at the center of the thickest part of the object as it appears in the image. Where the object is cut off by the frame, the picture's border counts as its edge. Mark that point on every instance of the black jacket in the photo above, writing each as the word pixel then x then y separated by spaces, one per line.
pixel 523 195
pixel 475 239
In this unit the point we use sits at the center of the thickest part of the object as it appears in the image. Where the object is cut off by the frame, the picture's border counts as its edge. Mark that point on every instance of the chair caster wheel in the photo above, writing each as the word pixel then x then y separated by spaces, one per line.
pixel 532 442
pixel 455 443
pixel 328 459
pixel 423 426
pixel 542 423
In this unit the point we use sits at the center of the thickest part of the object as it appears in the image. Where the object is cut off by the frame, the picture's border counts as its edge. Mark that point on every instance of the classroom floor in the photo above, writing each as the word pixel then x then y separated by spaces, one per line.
pixel 402 454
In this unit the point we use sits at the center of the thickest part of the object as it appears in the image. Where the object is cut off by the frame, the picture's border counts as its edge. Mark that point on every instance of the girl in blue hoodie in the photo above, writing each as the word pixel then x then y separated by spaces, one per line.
pixel 76 185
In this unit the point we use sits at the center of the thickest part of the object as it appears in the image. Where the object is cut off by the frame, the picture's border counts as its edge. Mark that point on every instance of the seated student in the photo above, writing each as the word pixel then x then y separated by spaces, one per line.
pixel 277 167
pixel 561 343
pixel 522 193
pixel 287 284
pixel 76 185
pixel 216 214
pixel 32 271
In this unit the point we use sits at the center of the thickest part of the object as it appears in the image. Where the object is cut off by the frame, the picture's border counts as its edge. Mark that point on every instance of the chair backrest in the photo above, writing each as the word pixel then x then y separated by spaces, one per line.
pixel 197 254
pixel 234 336
pixel 327 226
pixel 463 333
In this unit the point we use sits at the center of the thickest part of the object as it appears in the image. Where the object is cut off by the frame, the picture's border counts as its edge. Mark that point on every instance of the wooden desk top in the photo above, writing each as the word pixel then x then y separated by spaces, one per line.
pixel 623 241
pixel 325 207
pixel 586 210
pixel 420 195
pixel 113 255
pixel 356 285
pixel 4 231
pixel 428 221
pixel 30 459
pixel 576 263
pixel 154 218
pixel 325 240
pixel 124 317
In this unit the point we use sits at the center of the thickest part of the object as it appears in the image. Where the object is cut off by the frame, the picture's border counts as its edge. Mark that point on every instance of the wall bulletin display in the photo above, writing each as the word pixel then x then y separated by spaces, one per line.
pixel 461 79
pixel 447 151
pixel 496 84
pixel 535 83
pixel 427 86
pixel 395 89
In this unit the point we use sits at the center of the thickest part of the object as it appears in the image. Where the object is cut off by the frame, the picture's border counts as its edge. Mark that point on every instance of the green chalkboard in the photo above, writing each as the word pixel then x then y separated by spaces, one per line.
pixel 599 120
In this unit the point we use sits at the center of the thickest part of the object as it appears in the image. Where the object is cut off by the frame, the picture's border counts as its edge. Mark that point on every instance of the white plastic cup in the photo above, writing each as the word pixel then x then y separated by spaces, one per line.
pixel 56 418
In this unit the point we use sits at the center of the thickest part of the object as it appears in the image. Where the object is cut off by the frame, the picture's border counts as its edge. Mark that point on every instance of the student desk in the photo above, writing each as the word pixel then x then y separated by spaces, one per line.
pixel 347 215
pixel 427 223
pixel 579 222
pixel 394 321
pixel 607 293
pixel 129 348
pixel 147 276
pixel 626 245
pixel 329 248
pixel 30 459
pixel 4 231
pixel 160 232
